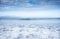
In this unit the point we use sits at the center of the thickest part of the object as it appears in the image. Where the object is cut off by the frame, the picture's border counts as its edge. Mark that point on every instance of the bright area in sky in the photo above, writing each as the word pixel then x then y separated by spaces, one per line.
pixel 32 13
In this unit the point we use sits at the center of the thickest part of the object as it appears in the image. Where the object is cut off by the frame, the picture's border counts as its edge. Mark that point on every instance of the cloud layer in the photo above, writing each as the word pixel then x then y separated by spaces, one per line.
pixel 25 3
pixel 41 4
pixel 23 6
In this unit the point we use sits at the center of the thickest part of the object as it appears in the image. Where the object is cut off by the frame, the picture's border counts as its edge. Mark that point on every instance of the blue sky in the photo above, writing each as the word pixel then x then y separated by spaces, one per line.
pixel 30 8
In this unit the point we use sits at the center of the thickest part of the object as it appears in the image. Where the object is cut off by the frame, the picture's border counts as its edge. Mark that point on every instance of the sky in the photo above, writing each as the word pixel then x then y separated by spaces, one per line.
pixel 30 8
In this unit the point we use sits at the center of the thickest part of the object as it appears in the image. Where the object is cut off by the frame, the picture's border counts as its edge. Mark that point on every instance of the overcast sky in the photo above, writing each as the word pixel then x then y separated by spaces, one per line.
pixel 30 8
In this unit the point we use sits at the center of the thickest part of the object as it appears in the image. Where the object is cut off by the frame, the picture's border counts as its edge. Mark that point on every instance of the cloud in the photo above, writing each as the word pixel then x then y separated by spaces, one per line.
pixel 17 4
pixel 31 2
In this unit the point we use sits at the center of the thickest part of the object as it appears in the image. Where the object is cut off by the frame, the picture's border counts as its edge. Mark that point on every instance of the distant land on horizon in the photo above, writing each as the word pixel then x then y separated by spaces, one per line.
pixel 21 18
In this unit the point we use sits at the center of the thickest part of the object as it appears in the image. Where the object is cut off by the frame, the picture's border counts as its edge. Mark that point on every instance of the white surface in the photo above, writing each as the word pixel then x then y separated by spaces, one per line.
pixel 18 29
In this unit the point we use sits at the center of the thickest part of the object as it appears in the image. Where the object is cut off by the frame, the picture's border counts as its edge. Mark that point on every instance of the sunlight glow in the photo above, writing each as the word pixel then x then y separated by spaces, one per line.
pixel 33 14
